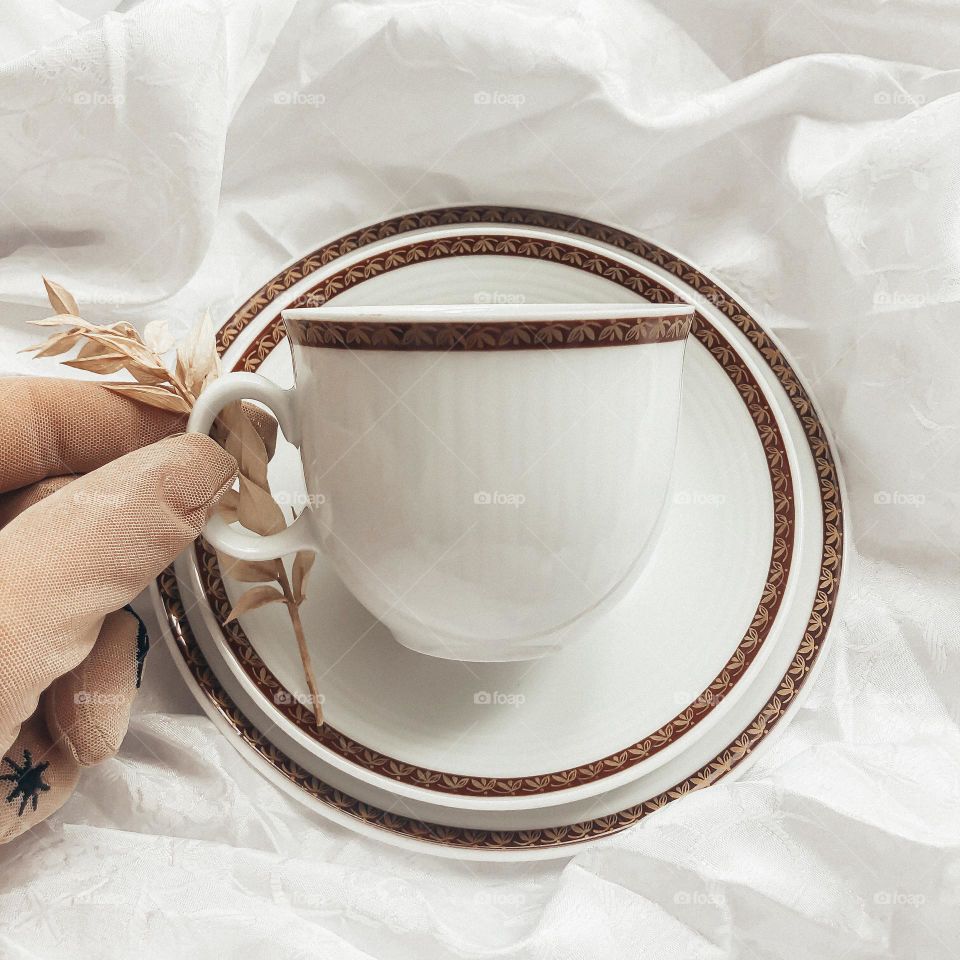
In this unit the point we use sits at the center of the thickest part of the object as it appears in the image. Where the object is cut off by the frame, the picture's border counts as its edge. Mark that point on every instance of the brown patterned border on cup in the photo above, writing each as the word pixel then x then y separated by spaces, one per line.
pixel 460 336
pixel 790 685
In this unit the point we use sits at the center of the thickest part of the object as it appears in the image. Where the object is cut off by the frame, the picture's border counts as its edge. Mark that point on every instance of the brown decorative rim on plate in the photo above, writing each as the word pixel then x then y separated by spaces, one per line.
pixel 771 596
pixel 505 335
pixel 831 559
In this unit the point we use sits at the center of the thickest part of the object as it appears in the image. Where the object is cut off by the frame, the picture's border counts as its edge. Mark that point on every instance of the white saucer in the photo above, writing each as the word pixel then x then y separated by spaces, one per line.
pixel 670 641
pixel 617 702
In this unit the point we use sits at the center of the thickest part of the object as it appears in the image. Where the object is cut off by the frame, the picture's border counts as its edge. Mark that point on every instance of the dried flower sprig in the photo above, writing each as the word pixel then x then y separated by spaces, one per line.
pixel 108 349
pixel 111 348
pixel 256 510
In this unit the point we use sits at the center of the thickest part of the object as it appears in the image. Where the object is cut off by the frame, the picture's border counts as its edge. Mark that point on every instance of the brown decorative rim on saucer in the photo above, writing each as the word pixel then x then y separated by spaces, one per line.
pixel 634 280
pixel 463 335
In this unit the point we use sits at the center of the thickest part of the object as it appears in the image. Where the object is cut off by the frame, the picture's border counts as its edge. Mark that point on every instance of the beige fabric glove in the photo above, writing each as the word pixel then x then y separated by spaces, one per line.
pixel 87 520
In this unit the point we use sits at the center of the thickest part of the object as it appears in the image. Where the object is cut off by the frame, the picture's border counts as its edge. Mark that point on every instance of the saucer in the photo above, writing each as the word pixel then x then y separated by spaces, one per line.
pixel 746 574
pixel 635 705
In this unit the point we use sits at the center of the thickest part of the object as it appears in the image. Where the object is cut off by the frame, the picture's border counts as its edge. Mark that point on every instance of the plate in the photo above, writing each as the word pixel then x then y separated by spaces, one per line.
pixel 769 426
pixel 637 681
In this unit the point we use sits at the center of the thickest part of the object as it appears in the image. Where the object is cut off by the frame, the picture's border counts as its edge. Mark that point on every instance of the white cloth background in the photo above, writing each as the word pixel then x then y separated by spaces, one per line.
pixel 169 155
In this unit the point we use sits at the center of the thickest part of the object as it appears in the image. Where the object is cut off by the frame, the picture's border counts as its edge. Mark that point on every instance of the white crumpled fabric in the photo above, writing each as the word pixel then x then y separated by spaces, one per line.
pixel 168 156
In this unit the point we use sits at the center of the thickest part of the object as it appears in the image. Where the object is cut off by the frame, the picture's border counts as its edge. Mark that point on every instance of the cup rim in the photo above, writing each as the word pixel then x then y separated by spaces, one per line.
pixel 486 312
pixel 488 327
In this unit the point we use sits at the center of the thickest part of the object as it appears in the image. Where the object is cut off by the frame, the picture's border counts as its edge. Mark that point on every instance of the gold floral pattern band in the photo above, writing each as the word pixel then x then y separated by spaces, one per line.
pixel 831 560
pixel 505 335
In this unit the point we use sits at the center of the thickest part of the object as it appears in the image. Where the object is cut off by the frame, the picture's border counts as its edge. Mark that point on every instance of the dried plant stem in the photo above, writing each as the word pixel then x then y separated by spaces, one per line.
pixel 293 608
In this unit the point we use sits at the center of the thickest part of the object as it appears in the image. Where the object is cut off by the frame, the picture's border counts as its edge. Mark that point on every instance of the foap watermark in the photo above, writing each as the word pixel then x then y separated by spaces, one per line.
pixel 698 699
pixel 500 898
pixel 288 698
pixel 899 98
pixel 706 297
pixel 297 98
pixel 498 297
pixel 97 98
pixel 494 698
pixel 497 498
pixel 309 899
pixel 300 501
pixel 499 98
pixel 699 498
pixel 897 898
pixel 99 498
pixel 902 300
pixel 105 299
pixel 699 898
pixel 97 698
pixel 305 899
pixel 898 498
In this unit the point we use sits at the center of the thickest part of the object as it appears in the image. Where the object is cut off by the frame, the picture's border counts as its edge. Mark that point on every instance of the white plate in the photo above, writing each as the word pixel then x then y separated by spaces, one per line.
pixel 615 703
pixel 715 549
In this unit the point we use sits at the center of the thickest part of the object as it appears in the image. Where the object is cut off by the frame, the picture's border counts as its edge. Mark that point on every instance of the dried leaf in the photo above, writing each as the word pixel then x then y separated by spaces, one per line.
pixel 60 298
pixel 104 364
pixel 107 337
pixel 197 359
pixel 229 506
pixel 55 345
pixel 302 564
pixel 214 374
pixel 94 348
pixel 156 336
pixel 60 320
pixel 248 571
pixel 106 344
pixel 244 443
pixel 258 511
pixel 143 373
pixel 159 397
pixel 263 423
pixel 254 599
pixel 179 370
pixel 127 331
pixel 134 349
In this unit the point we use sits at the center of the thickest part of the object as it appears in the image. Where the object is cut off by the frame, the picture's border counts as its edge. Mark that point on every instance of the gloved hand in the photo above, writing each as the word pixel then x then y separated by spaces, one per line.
pixel 97 496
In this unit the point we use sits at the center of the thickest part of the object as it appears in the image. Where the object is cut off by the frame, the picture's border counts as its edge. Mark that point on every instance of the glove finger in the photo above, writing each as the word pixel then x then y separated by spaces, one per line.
pixel 36 778
pixel 88 709
pixel 14 503
pixel 88 550
pixel 51 427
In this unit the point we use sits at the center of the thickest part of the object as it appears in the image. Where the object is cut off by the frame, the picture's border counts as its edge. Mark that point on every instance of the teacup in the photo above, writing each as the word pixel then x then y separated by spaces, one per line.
pixel 482 478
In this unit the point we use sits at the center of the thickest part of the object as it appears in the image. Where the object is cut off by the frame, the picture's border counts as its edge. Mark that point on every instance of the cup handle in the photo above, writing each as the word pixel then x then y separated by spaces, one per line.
pixel 251 386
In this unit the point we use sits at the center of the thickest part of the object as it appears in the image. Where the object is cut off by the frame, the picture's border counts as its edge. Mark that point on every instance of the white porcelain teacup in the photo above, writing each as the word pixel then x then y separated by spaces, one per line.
pixel 482 478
